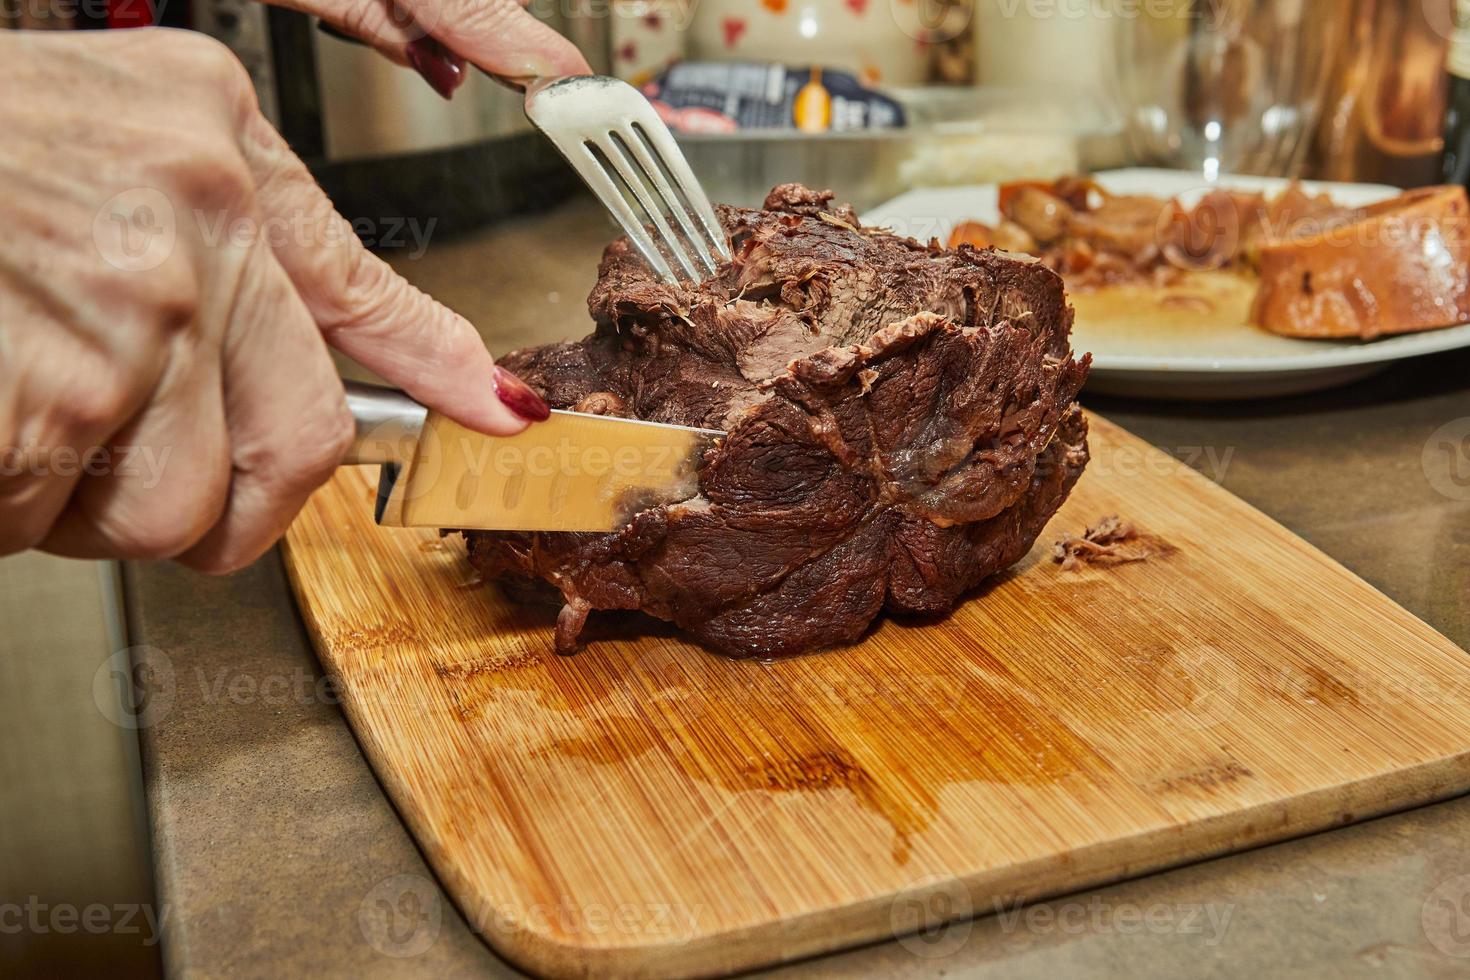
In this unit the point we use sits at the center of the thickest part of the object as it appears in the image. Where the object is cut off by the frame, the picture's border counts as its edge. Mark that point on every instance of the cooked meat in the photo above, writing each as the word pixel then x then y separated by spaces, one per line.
pixel 1111 541
pixel 1095 238
pixel 1325 270
pixel 901 423
pixel 1396 266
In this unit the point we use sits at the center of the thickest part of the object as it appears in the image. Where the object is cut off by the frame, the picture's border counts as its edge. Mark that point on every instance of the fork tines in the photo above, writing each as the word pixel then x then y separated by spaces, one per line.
pixel 620 147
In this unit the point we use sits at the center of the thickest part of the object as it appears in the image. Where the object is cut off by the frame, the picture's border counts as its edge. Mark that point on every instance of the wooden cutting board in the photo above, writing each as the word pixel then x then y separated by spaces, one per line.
pixel 646 808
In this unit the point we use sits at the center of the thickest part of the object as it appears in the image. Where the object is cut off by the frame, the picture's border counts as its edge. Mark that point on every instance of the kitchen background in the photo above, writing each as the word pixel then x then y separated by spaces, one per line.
pixel 989 89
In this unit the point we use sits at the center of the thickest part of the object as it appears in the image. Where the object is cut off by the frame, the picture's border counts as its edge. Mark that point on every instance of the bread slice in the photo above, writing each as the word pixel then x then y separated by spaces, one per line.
pixel 1393 267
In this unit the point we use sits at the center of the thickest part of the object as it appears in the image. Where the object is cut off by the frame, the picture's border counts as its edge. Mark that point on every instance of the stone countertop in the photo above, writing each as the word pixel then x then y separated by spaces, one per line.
pixel 277 852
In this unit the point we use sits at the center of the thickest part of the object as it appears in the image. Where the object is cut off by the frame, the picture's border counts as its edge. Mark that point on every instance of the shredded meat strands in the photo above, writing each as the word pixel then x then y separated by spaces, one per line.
pixel 1111 541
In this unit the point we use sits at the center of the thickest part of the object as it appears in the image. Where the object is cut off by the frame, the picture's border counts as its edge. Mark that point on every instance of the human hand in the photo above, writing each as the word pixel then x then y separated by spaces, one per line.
pixel 437 37
pixel 170 280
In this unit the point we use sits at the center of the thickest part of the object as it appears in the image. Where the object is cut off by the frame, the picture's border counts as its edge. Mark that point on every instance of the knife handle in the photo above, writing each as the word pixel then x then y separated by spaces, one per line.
pixel 388 424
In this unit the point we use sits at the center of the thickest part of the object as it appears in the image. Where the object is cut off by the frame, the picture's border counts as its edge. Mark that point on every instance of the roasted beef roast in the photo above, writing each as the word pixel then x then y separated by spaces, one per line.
pixel 901 419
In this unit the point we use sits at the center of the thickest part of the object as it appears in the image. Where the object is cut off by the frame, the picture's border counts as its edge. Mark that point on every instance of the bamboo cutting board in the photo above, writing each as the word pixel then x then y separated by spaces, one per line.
pixel 646 808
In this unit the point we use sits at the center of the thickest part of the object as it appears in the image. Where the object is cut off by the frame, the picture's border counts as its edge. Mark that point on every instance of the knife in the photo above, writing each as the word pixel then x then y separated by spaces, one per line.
pixel 572 472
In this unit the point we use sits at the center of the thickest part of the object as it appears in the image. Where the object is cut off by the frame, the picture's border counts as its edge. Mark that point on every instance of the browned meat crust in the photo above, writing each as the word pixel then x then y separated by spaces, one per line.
pixel 901 424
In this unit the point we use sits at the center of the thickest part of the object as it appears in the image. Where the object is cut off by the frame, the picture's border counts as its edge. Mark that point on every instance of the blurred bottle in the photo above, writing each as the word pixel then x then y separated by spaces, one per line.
pixel 1455 163
pixel 1383 117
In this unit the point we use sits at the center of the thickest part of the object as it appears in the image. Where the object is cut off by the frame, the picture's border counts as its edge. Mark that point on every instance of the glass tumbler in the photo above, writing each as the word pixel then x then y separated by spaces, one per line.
pixel 1224 86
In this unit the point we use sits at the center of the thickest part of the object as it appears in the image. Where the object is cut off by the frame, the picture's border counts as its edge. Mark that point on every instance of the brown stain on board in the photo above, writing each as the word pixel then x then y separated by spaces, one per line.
pixel 374 636
pixel 1054 732
pixel 625 705
pixel 517 659
pixel 636 662
pixel 1313 685
pixel 1209 778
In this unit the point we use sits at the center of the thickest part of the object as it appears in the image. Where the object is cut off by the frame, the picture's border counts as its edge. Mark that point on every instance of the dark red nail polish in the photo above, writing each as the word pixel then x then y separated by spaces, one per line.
pixel 441 68
pixel 519 397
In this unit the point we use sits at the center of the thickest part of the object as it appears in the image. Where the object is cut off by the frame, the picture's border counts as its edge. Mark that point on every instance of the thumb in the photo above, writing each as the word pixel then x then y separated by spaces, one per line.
pixel 366 310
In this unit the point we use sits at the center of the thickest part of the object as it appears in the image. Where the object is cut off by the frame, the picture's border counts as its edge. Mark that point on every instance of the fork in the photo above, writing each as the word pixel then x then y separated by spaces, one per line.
pixel 619 146
pixel 596 122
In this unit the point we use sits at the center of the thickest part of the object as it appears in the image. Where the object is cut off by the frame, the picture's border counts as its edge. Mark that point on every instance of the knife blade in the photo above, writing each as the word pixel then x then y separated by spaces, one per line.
pixel 572 472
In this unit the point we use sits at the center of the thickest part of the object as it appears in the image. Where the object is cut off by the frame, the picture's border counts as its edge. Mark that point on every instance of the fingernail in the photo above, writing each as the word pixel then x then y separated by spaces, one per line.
pixel 441 68
pixel 519 397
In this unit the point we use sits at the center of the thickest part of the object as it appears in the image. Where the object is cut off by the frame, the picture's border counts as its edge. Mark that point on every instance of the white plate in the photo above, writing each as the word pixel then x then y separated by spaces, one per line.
pixel 1227 362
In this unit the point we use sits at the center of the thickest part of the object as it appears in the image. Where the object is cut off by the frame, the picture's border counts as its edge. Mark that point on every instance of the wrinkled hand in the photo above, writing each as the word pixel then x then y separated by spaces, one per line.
pixel 437 37
pixel 170 279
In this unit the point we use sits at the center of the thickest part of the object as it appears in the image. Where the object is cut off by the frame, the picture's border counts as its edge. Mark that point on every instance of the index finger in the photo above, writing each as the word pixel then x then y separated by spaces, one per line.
pixel 498 36
pixel 365 309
